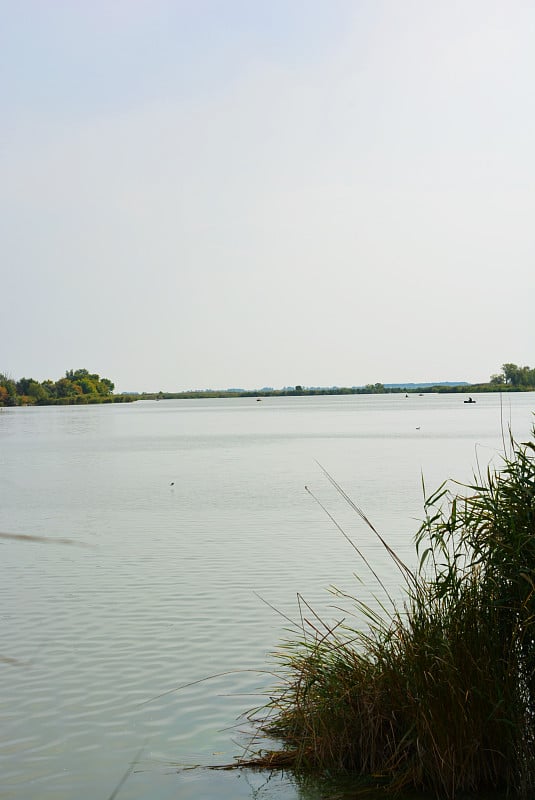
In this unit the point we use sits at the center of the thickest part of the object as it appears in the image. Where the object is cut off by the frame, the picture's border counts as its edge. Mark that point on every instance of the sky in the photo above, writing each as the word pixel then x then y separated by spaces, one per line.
pixel 249 193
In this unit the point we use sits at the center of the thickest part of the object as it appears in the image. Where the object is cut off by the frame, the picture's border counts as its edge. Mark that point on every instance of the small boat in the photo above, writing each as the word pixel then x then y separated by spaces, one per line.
pixel 258 399
pixel 469 400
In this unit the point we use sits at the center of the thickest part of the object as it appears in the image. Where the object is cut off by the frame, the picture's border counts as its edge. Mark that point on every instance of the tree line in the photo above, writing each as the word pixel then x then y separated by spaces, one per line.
pixel 512 375
pixel 76 387
pixel 511 378
pixel 81 386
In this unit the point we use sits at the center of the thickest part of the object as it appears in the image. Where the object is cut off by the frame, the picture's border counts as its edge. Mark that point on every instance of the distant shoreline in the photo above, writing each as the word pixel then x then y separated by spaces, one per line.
pixel 413 389
pixel 83 388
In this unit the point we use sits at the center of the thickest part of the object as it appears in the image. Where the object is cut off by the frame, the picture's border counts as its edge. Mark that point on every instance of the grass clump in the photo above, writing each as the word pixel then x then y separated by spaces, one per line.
pixel 439 694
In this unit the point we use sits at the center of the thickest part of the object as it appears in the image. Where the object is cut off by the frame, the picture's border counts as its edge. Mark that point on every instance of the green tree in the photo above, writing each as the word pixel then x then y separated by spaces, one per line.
pixel 8 395
pixel 510 372
pixel 37 391
pixel 87 385
pixel 50 388
pixel 65 388
pixel 23 385
pixel 518 376
pixel 374 388
pixel 90 382
pixel 106 386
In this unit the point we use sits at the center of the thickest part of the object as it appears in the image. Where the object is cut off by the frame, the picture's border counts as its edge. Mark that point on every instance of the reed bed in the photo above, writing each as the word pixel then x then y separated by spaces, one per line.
pixel 438 694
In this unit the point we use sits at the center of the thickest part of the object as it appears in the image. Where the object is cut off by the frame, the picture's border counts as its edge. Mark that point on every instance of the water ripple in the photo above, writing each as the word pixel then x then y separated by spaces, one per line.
pixel 108 643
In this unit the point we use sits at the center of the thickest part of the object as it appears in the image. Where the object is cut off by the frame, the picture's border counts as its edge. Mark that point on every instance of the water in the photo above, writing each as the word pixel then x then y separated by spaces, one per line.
pixel 163 584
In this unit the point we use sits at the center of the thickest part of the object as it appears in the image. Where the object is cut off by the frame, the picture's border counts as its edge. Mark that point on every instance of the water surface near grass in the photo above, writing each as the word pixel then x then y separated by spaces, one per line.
pixel 167 592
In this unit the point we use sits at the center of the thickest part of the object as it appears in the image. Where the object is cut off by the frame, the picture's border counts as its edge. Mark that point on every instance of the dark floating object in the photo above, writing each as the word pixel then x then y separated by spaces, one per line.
pixel 172 483
pixel 258 399
pixel 469 400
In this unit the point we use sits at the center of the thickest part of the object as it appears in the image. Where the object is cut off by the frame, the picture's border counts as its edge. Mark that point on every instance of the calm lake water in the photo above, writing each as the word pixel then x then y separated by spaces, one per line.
pixel 191 523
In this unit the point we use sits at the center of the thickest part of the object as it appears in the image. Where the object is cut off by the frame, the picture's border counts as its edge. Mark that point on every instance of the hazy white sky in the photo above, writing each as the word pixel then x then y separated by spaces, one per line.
pixel 216 193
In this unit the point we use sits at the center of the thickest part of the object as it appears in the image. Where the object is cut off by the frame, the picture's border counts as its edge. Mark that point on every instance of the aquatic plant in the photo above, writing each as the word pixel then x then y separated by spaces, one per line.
pixel 438 694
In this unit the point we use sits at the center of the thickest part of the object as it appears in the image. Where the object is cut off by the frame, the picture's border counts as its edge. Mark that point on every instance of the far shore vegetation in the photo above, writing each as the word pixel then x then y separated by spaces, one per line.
pixel 77 387
pixel 82 387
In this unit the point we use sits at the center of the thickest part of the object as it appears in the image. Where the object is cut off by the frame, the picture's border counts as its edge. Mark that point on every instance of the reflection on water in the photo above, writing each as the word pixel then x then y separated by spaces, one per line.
pixel 192 509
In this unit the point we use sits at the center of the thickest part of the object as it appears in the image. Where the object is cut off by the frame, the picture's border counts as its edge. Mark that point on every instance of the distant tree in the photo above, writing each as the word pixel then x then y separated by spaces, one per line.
pixel 50 388
pixel 518 376
pixel 9 395
pixel 89 382
pixel 87 385
pixel 77 386
pixel 510 372
pixel 36 391
pixel 23 385
pixel 526 376
pixel 65 388
pixel 106 386
pixel 374 388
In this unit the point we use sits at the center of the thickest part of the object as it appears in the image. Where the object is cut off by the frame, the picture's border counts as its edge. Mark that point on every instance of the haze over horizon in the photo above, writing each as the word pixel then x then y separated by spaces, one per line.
pixel 247 194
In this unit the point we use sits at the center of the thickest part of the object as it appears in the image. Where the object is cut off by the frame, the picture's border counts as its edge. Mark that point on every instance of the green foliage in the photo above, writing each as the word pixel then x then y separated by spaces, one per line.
pixel 518 376
pixel 78 386
pixel 8 391
pixel 375 388
pixel 439 695
pixel 520 379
